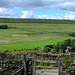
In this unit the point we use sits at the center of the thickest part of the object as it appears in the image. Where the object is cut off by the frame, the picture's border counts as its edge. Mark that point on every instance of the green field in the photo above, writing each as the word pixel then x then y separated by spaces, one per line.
pixel 32 35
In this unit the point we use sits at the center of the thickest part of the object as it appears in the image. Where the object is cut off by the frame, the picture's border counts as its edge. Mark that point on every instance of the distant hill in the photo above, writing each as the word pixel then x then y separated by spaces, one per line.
pixel 53 21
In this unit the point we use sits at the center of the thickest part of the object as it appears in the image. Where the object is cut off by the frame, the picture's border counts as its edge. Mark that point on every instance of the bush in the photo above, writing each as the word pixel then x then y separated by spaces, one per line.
pixel 3 27
pixel 6 51
pixel 72 34
pixel 50 46
pixel 71 73
pixel 37 49
pixel 60 46
pixel 47 49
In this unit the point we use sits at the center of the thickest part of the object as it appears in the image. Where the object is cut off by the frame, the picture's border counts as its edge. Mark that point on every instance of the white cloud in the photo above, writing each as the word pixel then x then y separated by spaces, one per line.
pixel 28 14
pixel 70 15
pixel 1 10
pixel 10 13
pixel 49 17
pixel 31 14
pixel 6 8
pixel 7 12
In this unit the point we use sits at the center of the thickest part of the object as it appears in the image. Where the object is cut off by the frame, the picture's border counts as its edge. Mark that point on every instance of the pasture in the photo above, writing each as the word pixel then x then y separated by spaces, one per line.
pixel 32 35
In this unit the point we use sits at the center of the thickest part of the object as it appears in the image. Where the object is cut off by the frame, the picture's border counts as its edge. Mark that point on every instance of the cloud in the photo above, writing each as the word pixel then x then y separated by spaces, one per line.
pixel 7 12
pixel 10 13
pixel 31 14
pixel 70 15
pixel 49 17
pixel 28 14
pixel 39 4
pixel 7 8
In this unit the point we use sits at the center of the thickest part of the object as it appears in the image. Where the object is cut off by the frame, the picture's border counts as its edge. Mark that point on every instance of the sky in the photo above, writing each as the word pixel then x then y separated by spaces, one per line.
pixel 39 9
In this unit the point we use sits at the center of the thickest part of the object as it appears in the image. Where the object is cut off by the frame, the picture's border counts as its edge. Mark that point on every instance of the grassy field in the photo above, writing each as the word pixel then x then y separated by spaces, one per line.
pixel 32 45
pixel 31 35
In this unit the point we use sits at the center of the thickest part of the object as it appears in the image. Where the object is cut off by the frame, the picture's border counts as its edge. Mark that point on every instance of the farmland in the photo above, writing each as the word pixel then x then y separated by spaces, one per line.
pixel 29 35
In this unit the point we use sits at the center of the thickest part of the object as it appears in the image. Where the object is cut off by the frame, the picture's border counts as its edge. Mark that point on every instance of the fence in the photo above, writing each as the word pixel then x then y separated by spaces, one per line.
pixel 26 65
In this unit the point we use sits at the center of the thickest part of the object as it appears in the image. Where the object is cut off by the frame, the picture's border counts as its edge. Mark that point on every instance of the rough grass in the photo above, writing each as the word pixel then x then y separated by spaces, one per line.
pixel 13 36
pixel 32 45
pixel 41 27
pixel 31 35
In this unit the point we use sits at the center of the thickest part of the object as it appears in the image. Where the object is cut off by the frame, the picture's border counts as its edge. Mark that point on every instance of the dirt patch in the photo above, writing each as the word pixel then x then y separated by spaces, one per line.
pixel 19 35
pixel 5 41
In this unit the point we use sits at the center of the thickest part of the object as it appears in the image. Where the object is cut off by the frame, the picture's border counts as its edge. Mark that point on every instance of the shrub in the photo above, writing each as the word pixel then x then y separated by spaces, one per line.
pixel 47 49
pixel 6 51
pixel 72 34
pixel 3 27
pixel 71 73
pixel 50 46
pixel 37 49
pixel 60 46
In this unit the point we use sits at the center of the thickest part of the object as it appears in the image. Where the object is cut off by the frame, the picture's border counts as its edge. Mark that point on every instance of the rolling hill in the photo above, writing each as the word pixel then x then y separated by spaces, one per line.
pixel 32 33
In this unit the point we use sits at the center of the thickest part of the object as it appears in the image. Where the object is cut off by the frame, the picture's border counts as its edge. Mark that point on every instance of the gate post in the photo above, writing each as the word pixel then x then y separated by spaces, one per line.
pixel 34 66
pixel 60 66
pixel 24 62
pixel 27 65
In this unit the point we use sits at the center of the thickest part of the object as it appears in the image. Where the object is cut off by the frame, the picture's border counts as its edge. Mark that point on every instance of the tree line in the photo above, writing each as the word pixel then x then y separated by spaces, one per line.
pixel 51 21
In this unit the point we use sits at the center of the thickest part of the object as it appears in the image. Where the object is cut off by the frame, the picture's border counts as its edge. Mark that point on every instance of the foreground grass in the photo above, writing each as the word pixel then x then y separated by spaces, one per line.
pixel 32 45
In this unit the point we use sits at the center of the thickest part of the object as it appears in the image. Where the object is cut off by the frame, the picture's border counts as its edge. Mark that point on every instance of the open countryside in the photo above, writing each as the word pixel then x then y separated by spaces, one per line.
pixel 25 35
pixel 37 47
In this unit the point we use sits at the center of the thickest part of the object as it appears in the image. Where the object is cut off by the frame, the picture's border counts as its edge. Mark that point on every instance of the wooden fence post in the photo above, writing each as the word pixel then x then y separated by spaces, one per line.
pixel 24 62
pixel 60 66
pixel 34 68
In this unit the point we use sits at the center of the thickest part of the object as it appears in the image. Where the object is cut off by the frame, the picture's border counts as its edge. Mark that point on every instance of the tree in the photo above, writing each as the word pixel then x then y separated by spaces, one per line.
pixel 3 27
